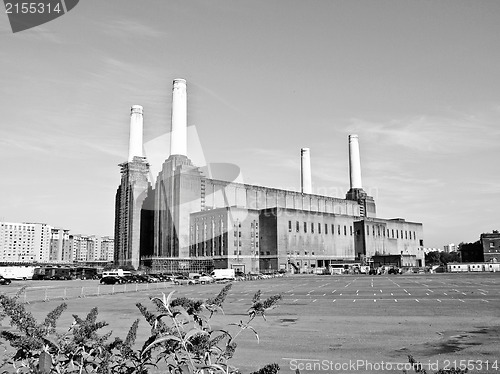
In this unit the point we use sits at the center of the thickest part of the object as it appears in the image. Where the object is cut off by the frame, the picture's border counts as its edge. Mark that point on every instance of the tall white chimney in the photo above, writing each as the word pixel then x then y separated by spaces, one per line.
pixel 178 139
pixel 136 129
pixel 354 163
pixel 305 170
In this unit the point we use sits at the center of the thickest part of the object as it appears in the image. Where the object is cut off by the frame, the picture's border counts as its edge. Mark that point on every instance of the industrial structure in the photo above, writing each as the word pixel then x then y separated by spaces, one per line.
pixel 191 221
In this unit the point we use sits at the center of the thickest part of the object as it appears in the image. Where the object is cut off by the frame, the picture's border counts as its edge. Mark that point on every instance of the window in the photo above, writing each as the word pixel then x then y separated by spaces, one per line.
pixel 312 227
pixel 393 233
pixel 319 228
pixel 305 226
pixel 333 229
pixel 326 228
pixel 350 228
pixel 367 230
pixel 345 230
pixel 338 229
pixel 289 226
pixel 297 227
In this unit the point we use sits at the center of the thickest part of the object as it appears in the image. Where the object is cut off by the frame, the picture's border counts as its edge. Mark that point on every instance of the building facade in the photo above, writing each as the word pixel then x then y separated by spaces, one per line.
pixel 191 221
pixel 491 246
pixel 24 242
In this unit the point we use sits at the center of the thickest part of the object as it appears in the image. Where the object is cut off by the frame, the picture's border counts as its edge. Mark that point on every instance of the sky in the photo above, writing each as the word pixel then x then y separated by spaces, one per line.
pixel 418 81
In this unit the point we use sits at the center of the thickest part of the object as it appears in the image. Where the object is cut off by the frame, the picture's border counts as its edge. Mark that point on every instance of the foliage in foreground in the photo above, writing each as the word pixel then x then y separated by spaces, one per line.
pixel 181 340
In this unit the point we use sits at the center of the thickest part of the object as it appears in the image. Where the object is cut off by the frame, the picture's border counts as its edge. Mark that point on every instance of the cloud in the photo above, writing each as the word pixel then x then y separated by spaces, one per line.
pixel 441 135
pixel 132 27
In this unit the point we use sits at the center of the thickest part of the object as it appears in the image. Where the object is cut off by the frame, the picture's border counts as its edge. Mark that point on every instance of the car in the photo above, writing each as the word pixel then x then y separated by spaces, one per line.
pixel 203 279
pixel 111 280
pixel 4 281
pixel 182 279
pixel 394 271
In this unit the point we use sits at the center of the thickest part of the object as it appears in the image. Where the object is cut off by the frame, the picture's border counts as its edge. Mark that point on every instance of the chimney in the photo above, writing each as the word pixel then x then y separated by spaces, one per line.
pixel 305 171
pixel 178 140
pixel 136 128
pixel 354 163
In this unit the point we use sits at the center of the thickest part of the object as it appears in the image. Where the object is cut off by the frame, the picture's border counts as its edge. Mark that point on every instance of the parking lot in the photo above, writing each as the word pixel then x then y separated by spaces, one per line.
pixel 438 318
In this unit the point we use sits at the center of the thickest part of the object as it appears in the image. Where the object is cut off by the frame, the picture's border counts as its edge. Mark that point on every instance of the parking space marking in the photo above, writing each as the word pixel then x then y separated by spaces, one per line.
pixel 430 290
pixel 334 300
pixel 396 300
pixel 417 300
pixel 445 293
pixel 354 301
pixel 438 300
pixel 461 300
pixel 486 301
pixel 315 300
pixel 295 300
pixel 334 291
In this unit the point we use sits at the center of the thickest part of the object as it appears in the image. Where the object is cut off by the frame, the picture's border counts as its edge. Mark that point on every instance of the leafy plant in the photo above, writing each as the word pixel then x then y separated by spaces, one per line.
pixel 181 339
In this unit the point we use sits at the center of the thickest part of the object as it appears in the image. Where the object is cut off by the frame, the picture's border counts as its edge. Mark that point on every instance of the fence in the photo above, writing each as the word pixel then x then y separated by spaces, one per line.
pixel 47 293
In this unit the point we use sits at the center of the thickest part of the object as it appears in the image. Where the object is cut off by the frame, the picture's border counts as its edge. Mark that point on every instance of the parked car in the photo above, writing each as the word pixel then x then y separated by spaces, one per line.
pixel 5 280
pixel 394 271
pixel 111 280
pixel 203 279
pixel 182 279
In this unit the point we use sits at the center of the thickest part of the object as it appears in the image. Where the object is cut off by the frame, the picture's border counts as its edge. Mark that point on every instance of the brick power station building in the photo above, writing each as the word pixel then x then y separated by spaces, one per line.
pixel 190 221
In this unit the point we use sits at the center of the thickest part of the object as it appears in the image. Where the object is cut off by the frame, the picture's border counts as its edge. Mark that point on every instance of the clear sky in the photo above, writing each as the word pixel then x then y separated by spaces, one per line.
pixel 418 81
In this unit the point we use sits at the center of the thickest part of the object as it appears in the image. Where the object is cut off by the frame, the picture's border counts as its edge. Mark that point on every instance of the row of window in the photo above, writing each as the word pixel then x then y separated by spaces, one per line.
pixel 312 226
pixel 391 233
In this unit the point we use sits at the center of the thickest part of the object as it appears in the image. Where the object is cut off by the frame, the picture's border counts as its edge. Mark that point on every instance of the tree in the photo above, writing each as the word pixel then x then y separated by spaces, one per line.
pixel 471 252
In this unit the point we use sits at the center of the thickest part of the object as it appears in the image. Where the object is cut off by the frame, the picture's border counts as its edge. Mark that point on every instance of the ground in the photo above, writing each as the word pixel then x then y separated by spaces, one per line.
pixel 324 324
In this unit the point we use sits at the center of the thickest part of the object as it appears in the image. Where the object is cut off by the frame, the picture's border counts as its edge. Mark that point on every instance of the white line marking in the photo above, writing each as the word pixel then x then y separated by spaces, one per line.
pixel 396 300
pixel 295 300
pixel 461 300
pixel 417 300
pixel 486 301
pixel 334 300
pixel 438 300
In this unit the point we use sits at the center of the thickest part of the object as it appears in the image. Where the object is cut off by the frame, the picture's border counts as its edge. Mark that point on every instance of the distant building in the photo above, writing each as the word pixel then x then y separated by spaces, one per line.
pixel 450 248
pixel 107 249
pixel 59 245
pixel 24 242
pixel 491 246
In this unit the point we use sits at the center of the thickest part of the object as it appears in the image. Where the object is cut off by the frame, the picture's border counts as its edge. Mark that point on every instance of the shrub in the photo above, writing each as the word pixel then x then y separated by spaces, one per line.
pixel 181 339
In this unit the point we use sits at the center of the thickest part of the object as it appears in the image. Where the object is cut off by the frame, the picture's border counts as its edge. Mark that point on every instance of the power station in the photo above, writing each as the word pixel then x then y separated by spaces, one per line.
pixel 192 221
